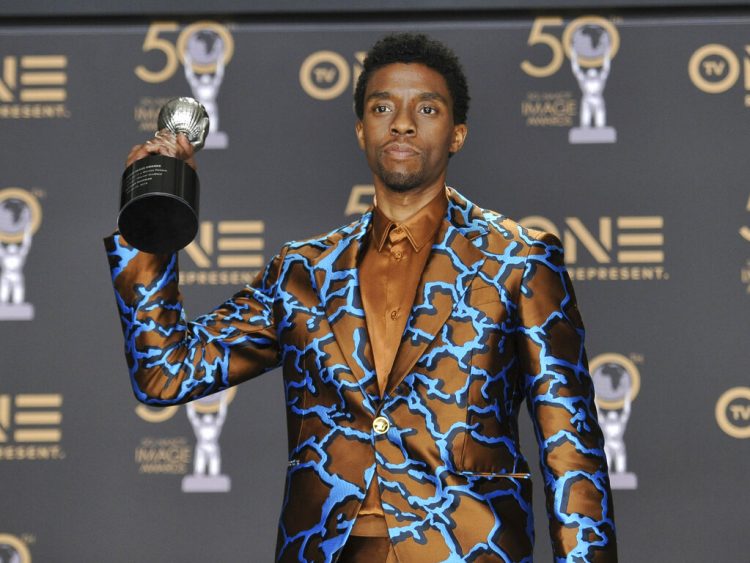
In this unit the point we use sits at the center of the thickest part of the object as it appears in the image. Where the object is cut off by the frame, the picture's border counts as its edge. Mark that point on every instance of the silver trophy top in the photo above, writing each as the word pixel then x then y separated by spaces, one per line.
pixel 185 115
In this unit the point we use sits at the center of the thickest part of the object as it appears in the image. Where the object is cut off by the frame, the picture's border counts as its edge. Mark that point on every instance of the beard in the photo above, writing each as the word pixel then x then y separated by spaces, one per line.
pixel 402 182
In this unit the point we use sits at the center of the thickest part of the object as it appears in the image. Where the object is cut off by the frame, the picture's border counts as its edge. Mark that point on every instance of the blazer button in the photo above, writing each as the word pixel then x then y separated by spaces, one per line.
pixel 381 425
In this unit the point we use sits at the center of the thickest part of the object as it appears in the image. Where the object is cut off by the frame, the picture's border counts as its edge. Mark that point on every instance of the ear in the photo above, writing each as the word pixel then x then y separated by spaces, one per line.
pixel 460 132
pixel 359 130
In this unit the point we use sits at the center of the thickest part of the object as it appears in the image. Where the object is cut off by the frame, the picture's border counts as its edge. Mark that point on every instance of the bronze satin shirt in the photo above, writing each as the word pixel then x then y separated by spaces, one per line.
pixel 389 271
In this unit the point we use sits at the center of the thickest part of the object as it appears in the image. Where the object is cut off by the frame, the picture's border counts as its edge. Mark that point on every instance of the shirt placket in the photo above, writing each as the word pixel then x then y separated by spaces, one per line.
pixel 398 259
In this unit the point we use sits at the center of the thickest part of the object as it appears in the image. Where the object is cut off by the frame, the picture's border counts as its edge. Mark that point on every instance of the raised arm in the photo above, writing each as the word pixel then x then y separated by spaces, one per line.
pixel 560 399
pixel 171 360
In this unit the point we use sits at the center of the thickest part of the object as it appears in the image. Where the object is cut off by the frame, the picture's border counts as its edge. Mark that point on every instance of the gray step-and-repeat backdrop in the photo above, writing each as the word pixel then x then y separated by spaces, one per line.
pixel 626 136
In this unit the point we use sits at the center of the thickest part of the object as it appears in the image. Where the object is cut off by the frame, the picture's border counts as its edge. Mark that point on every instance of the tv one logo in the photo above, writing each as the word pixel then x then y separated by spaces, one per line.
pixel 715 68
pixel 326 75
pixel 225 253
pixel 623 248
pixel 33 87
pixel 31 426
pixel 733 412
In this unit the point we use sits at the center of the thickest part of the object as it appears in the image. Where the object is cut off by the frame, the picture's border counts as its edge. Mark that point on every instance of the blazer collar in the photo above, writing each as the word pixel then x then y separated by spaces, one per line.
pixel 337 284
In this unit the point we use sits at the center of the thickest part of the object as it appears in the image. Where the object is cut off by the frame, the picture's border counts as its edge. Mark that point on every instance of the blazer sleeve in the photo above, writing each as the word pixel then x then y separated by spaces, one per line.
pixel 560 398
pixel 173 361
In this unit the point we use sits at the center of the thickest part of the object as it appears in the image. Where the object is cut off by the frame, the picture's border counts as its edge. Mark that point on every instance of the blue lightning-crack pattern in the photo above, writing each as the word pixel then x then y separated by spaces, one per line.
pixel 310 369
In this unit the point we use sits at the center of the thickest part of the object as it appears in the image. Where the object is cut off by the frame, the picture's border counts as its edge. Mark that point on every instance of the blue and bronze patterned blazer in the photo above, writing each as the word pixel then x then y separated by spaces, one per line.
pixel 494 322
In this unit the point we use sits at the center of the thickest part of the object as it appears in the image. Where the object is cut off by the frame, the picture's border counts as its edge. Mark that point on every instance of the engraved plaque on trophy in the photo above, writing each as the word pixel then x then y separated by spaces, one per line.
pixel 160 194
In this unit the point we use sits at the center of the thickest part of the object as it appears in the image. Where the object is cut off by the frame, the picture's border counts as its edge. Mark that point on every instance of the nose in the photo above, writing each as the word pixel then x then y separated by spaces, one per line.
pixel 402 123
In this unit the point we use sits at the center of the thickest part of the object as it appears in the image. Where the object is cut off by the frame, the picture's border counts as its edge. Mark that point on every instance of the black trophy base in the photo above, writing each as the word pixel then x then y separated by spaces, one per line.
pixel 159 204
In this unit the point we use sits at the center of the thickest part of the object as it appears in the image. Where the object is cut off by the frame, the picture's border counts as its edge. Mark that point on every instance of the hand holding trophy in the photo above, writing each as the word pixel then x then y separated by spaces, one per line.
pixel 160 189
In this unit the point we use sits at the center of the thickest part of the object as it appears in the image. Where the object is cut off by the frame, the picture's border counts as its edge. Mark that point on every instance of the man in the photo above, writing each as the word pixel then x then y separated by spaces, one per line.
pixel 408 340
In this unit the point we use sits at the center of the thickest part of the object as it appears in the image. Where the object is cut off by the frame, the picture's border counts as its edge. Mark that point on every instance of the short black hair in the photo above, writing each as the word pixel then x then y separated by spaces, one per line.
pixel 416 48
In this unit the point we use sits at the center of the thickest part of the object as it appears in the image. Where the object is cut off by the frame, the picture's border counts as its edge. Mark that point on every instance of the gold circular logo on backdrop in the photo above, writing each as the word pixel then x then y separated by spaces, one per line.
pixel 205 25
pixel 208 404
pixel 331 86
pixel 718 85
pixel 155 414
pixel 619 367
pixel 11 229
pixel 739 398
pixel 19 553
pixel 596 21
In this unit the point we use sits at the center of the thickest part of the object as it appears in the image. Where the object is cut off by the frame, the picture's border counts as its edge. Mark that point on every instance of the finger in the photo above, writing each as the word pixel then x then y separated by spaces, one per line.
pixel 141 151
pixel 132 152
pixel 191 163
pixel 164 137
pixel 167 151
pixel 184 146
pixel 155 145
pixel 164 134
pixel 136 155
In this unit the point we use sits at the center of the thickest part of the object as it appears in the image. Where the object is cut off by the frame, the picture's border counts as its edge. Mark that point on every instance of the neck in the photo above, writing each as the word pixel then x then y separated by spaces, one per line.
pixel 399 206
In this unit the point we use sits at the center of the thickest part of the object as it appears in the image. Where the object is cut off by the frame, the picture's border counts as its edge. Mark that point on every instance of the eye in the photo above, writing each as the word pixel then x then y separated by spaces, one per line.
pixel 380 109
pixel 428 110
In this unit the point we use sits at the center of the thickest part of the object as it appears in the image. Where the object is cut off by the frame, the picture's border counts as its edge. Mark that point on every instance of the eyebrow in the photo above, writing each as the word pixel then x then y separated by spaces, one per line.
pixel 384 94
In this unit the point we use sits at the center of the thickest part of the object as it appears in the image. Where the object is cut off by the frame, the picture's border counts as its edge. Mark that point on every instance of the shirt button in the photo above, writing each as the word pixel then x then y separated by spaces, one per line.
pixel 394 315
pixel 381 425
pixel 397 254
pixel 398 231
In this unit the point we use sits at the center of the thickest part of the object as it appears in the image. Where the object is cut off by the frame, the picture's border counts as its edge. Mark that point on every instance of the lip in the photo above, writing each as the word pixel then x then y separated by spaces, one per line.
pixel 400 151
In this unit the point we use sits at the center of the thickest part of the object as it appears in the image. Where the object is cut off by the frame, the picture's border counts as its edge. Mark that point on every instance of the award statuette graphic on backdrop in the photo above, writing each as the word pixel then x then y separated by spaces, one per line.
pixel 204 55
pixel 616 382
pixel 160 194
pixel 591 47
pixel 20 216
pixel 207 416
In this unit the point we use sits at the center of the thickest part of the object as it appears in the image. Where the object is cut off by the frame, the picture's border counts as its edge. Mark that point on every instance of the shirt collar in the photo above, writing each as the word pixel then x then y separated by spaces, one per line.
pixel 420 228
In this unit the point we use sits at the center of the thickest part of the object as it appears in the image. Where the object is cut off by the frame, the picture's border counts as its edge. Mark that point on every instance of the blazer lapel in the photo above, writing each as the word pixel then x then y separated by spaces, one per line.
pixel 450 269
pixel 337 283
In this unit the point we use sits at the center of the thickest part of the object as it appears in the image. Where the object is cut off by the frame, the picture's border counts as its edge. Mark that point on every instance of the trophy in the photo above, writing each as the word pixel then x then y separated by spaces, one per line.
pixel 159 197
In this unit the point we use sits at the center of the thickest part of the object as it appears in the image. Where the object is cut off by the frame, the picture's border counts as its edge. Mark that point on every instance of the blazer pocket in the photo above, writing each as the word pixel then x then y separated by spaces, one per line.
pixel 492 474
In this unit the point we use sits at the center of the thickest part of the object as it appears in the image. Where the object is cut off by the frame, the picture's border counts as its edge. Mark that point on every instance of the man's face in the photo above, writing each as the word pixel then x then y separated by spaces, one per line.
pixel 407 129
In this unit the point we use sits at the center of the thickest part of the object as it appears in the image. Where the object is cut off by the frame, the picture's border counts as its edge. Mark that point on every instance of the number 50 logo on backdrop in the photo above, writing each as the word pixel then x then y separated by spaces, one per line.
pixel 203 49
